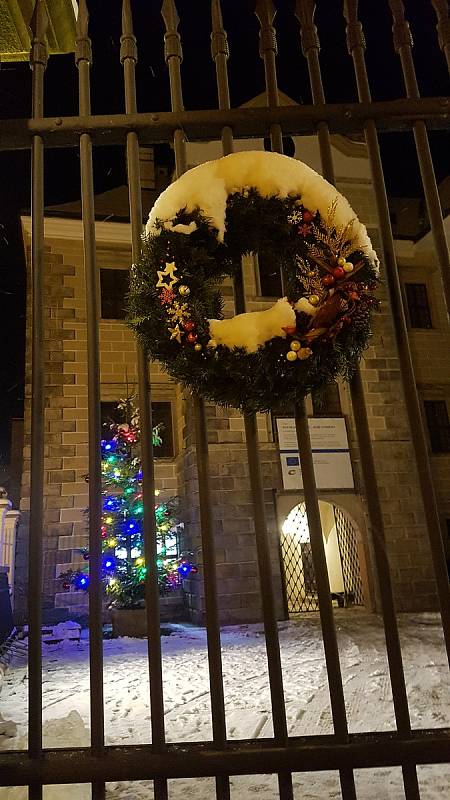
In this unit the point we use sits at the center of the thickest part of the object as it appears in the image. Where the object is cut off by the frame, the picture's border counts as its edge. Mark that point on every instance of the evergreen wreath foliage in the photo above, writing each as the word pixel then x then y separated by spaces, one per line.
pixel 318 261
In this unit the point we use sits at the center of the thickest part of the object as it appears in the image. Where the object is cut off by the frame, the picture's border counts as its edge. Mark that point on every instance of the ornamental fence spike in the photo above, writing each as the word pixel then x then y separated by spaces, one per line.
pixel 400 29
pixel 219 40
pixel 82 24
pixel 170 16
pixel 127 19
pixel 442 12
pixel 351 11
pixel 39 21
pixel 216 17
pixel 304 11
pixel 128 47
pixel 354 32
pixel 265 11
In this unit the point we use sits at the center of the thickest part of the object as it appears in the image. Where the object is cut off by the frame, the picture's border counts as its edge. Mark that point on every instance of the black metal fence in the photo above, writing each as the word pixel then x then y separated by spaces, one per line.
pixel 220 758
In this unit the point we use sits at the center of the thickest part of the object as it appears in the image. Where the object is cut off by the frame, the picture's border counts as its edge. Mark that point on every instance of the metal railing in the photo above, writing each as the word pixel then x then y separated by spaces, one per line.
pixel 221 758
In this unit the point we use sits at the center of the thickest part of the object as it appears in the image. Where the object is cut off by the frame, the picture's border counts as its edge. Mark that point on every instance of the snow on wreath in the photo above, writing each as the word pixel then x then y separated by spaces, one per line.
pixel 196 235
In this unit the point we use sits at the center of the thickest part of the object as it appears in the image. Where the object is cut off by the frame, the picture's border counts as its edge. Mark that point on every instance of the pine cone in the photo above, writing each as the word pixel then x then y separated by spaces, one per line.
pixel 360 316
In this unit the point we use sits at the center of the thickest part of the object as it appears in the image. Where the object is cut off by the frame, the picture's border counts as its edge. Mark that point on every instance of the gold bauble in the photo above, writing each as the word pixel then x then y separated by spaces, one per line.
pixel 197 347
pixel 348 266
pixel 291 355
pixel 314 299
pixel 295 345
pixel 304 353
pixel 184 290
pixel 341 261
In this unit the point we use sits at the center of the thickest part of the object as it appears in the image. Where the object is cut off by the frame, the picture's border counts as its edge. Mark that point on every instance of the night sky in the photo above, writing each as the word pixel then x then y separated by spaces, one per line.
pixel 246 74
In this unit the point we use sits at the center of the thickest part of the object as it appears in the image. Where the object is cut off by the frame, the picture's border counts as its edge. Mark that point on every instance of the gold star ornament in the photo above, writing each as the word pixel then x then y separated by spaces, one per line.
pixel 175 333
pixel 166 277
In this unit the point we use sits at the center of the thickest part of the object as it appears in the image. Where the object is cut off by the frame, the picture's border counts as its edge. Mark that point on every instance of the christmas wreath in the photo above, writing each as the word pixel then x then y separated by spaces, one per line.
pixel 196 235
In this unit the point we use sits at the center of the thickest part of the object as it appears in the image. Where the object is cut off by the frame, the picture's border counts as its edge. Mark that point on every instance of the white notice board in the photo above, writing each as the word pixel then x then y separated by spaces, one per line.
pixel 331 455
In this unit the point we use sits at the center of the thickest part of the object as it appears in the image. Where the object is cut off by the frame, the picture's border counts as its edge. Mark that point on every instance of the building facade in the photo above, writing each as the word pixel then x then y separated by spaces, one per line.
pixel 343 511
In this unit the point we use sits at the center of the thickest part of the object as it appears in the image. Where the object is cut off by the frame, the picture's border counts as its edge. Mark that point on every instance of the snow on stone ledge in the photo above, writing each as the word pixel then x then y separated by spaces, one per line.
pixel 69 731
pixel 207 187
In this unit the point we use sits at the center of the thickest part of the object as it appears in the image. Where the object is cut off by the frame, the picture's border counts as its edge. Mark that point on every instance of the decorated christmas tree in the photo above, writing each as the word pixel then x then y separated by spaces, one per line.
pixel 123 562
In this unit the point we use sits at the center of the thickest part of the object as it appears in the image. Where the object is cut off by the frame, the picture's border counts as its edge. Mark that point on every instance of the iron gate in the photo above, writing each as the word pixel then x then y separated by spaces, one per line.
pixel 298 565
pixel 296 555
pixel 348 549
pixel 221 758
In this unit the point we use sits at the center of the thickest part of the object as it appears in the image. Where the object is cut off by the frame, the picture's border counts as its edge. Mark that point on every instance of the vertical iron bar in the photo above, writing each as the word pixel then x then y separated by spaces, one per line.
pixel 304 11
pixel 443 27
pixel 173 55
pixel 83 57
pixel 330 644
pixel 38 62
pixel 266 13
pixel 128 57
pixel 220 53
pixel 356 44
pixel 267 598
pixel 403 46
pixel 210 578
pixel 310 46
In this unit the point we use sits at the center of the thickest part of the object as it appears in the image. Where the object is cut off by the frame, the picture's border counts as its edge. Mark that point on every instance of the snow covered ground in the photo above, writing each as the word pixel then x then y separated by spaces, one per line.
pixel 187 708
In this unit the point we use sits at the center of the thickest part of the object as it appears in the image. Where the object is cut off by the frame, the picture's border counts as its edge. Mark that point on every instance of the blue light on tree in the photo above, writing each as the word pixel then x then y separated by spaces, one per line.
pixel 109 563
pixel 81 581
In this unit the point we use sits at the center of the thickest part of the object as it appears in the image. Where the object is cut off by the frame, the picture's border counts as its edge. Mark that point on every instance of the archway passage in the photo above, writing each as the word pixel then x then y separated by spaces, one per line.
pixel 340 542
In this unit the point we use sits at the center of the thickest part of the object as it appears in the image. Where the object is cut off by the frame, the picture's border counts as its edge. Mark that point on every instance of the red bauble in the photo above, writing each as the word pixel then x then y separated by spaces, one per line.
pixel 328 280
pixel 346 320
pixel 307 215
pixel 290 329
pixel 191 338
pixel 189 325
pixel 66 586
pixel 338 273
pixel 354 296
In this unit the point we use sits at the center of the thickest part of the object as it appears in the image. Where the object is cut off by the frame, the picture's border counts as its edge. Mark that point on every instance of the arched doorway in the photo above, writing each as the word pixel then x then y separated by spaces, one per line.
pixel 340 542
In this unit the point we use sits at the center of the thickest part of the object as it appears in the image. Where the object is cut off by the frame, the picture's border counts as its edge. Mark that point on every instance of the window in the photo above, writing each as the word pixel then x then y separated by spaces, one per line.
pixel 418 306
pixel 114 284
pixel 288 145
pixel 327 402
pixel 162 415
pixel 269 276
pixel 436 415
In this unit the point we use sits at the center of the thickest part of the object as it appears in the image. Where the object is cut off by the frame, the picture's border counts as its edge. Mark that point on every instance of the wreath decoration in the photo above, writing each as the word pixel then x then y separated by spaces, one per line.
pixel 196 235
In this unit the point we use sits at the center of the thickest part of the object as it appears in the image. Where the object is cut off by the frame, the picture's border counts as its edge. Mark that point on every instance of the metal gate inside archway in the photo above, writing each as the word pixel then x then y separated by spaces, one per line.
pixel 341 551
